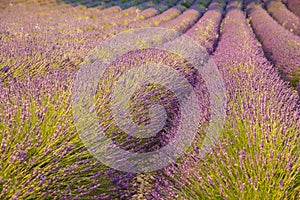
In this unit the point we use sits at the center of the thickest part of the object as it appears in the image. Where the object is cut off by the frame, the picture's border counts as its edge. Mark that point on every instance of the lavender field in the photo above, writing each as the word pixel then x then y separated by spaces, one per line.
pixel 199 99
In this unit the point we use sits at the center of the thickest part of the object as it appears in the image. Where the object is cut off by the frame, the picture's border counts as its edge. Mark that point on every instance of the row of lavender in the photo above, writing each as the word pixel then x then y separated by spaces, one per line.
pixel 206 31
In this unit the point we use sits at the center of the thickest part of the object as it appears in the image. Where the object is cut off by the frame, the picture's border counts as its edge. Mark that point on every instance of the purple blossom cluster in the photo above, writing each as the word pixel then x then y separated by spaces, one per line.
pixel 280 45
pixel 41 153
pixel 164 187
pixel 284 16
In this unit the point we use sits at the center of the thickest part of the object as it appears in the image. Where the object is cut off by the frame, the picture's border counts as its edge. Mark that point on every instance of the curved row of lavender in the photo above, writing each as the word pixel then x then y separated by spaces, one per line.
pixel 188 18
pixel 163 184
pixel 284 17
pixel 141 101
pixel 258 155
pixel 206 30
pixel 293 5
pixel 280 45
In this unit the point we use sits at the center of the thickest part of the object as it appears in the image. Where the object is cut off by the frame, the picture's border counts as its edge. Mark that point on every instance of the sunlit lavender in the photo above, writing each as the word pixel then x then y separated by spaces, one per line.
pixel 254 46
